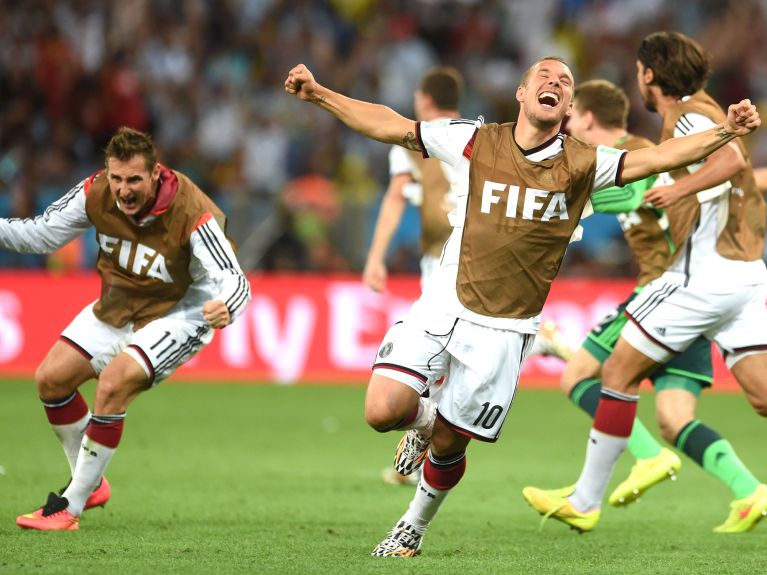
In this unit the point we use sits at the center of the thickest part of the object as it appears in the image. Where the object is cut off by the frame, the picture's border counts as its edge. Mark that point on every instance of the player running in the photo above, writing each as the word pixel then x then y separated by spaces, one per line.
pixel 474 325
pixel 716 286
pixel 169 277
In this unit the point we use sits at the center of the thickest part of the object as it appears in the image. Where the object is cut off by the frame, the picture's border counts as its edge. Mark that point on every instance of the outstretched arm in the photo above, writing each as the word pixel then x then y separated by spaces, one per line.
pixel 61 222
pixel 373 120
pixel 742 118
pixel 719 167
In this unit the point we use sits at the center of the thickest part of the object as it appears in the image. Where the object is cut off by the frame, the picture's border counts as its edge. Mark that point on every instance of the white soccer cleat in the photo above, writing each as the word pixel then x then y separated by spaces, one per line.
pixel 549 342
pixel 402 541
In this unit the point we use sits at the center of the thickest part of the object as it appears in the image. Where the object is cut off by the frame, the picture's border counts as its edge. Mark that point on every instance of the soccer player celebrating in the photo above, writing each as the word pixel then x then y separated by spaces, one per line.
pixel 599 116
pixel 474 324
pixel 715 286
pixel 169 278
pixel 426 182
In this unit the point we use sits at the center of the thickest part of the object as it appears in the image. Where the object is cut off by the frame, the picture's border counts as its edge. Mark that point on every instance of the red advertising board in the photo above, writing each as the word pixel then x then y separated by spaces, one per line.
pixel 297 327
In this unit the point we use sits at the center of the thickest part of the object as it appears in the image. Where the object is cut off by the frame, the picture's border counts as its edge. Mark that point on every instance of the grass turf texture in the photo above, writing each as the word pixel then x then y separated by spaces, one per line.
pixel 268 479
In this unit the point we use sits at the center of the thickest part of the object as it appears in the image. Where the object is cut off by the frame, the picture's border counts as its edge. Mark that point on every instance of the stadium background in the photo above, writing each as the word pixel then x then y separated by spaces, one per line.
pixel 222 477
pixel 206 78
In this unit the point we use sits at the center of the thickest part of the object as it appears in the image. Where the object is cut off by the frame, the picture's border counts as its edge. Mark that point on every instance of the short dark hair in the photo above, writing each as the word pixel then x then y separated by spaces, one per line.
pixel 526 75
pixel 680 65
pixel 127 143
pixel 444 84
pixel 605 100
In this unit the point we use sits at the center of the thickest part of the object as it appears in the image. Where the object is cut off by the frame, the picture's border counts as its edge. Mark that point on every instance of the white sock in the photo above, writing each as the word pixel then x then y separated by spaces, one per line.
pixel 602 452
pixel 91 464
pixel 424 421
pixel 424 505
pixel 71 437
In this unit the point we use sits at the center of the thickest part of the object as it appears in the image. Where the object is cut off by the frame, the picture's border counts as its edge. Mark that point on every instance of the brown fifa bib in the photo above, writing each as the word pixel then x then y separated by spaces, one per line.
pixel 435 227
pixel 648 241
pixel 145 269
pixel 520 216
pixel 740 235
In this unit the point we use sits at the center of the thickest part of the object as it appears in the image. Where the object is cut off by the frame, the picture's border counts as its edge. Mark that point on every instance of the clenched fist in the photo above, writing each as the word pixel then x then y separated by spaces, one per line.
pixel 216 313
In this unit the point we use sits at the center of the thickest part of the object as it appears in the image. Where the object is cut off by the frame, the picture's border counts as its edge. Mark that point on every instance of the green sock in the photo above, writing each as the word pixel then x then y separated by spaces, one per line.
pixel 641 444
pixel 717 457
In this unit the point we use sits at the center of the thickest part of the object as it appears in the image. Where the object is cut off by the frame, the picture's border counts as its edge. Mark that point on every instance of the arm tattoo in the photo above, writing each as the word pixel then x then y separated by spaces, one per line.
pixel 411 142
pixel 723 134
pixel 319 100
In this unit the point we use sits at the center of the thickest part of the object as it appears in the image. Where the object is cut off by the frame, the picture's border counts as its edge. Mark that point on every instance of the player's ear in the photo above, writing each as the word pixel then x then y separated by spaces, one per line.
pixel 648 76
pixel 569 109
pixel 520 93
pixel 156 171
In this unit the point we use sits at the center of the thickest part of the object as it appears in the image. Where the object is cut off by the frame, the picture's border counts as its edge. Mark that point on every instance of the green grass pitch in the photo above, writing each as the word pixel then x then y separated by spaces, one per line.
pixel 271 479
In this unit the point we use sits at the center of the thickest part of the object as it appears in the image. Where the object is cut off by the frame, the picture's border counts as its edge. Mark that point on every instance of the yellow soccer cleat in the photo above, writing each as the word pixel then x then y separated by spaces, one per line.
pixel 554 503
pixel 745 513
pixel 645 474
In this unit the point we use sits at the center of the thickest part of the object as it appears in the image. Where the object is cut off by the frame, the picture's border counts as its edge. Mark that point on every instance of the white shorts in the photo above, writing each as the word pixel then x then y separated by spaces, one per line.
pixel 666 317
pixel 159 347
pixel 481 367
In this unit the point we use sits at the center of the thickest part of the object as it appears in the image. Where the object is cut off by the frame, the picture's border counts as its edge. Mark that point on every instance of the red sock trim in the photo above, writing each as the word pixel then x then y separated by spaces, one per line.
pixel 615 416
pixel 71 412
pixel 107 434
pixel 443 478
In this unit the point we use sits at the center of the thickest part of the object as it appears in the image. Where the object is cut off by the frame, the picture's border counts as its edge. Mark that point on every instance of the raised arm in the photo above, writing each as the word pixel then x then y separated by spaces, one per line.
pixel 719 167
pixel 373 120
pixel 742 118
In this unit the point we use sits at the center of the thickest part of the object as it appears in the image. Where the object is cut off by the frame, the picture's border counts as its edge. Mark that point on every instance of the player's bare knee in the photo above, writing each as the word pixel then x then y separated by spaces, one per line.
pixel 381 417
pixel 567 382
pixel 49 383
pixel 612 376
pixel 667 429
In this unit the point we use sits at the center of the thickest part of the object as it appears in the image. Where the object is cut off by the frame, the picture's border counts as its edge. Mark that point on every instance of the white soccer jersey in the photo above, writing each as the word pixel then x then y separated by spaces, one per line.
pixel 400 162
pixel 699 262
pixel 447 141
pixel 214 269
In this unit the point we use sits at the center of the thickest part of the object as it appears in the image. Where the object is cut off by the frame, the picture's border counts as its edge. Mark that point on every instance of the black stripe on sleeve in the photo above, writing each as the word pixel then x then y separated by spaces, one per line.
pixel 204 236
pixel 214 238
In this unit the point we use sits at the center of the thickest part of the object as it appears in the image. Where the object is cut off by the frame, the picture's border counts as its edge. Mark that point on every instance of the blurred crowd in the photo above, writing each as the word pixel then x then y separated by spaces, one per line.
pixel 205 77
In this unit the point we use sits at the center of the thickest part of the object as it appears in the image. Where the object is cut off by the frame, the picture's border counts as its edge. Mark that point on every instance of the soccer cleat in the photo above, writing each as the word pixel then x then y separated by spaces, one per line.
pixel 549 342
pixel 53 516
pixel 402 541
pixel 554 504
pixel 645 474
pixel 745 513
pixel 98 497
pixel 411 452
pixel 412 448
pixel 391 477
